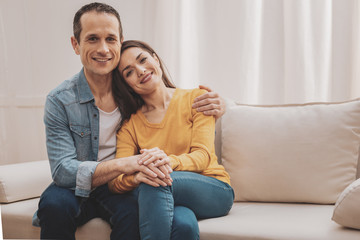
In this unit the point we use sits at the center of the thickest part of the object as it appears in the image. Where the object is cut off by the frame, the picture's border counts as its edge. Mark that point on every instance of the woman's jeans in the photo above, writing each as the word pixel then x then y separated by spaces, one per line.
pixel 61 212
pixel 195 197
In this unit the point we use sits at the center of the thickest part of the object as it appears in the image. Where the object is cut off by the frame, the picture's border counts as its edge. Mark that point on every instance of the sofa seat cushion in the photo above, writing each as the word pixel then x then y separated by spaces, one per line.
pixel 17 218
pixel 245 221
pixel 276 221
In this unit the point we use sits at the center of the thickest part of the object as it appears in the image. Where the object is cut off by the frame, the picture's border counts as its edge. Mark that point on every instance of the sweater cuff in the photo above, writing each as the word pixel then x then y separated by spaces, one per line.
pixel 174 163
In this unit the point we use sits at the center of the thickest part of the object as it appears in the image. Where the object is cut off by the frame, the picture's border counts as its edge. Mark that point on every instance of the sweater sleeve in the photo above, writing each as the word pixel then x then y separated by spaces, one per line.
pixel 125 147
pixel 202 144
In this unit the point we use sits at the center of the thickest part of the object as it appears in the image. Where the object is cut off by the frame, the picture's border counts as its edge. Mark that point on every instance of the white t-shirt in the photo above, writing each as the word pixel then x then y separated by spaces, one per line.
pixel 108 123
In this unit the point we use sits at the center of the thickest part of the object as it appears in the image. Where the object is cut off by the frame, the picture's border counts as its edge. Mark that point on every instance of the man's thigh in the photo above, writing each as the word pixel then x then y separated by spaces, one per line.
pixel 111 205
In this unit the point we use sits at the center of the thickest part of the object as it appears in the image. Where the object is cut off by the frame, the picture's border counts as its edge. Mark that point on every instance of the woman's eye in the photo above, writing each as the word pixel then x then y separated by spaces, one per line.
pixel 143 60
pixel 128 73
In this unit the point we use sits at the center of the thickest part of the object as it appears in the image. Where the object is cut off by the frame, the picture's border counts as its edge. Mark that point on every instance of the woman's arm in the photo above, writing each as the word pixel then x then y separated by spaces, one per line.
pixel 126 147
pixel 201 151
pixel 201 148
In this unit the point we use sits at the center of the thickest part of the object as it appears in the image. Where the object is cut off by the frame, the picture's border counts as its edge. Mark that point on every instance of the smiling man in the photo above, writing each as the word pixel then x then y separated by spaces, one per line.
pixel 81 120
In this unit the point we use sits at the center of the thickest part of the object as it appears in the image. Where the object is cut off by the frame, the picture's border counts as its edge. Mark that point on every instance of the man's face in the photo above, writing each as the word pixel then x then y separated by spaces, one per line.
pixel 100 43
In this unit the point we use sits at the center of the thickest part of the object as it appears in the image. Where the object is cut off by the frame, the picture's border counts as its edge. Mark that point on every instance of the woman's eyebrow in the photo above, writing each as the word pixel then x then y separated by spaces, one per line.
pixel 129 65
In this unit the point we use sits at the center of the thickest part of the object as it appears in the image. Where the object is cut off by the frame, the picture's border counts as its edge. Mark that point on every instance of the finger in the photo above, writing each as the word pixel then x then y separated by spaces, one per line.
pixel 151 149
pixel 206 101
pixel 206 95
pixel 169 168
pixel 144 158
pixel 205 87
pixel 152 159
pixel 162 160
pixel 149 182
pixel 208 107
pixel 162 182
pixel 156 170
pixel 214 112
pixel 147 171
pixel 165 171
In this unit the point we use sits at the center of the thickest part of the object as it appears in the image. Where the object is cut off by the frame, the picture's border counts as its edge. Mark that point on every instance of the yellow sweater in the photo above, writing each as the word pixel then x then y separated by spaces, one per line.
pixel 185 135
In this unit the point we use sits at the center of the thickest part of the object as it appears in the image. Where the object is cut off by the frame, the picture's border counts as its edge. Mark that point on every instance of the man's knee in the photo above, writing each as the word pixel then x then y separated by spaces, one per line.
pixel 57 203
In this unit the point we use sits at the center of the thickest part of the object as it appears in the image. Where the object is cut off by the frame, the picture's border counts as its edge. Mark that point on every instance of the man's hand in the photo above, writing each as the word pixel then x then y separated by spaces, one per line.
pixel 210 103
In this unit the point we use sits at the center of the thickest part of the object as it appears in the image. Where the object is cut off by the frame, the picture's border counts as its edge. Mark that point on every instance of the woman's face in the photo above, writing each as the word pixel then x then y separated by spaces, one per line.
pixel 141 70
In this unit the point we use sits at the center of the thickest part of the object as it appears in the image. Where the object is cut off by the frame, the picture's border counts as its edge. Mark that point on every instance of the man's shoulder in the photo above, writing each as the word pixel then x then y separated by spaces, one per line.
pixel 67 85
pixel 67 89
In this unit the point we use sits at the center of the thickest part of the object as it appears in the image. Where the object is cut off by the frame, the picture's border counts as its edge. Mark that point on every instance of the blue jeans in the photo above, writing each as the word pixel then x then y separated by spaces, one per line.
pixel 61 212
pixel 192 196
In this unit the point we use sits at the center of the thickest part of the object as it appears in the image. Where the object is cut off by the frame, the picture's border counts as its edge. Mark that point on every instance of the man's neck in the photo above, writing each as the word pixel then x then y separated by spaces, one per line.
pixel 100 86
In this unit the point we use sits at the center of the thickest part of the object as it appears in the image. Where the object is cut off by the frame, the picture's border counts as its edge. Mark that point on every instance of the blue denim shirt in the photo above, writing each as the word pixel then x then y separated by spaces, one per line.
pixel 72 134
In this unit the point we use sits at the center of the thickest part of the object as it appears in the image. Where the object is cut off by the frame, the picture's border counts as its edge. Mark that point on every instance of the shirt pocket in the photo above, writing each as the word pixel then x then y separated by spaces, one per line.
pixel 82 139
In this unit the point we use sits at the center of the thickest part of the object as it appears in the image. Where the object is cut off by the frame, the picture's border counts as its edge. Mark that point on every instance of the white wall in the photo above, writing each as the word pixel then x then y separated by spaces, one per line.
pixel 35 56
pixel 252 51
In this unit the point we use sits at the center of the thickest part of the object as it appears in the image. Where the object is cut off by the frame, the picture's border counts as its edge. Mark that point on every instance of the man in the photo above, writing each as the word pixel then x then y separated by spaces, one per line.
pixel 81 120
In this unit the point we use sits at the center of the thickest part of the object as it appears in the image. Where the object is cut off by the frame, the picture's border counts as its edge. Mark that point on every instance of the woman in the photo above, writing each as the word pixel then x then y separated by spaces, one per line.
pixel 159 122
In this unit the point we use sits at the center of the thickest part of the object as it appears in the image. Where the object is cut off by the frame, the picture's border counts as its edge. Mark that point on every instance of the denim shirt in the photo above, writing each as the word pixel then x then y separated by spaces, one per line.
pixel 72 134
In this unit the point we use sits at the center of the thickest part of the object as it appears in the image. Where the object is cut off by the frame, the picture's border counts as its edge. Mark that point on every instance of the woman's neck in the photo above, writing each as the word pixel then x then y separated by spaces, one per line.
pixel 158 100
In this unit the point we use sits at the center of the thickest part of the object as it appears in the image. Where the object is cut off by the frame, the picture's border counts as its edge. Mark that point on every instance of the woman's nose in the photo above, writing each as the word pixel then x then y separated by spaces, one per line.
pixel 140 71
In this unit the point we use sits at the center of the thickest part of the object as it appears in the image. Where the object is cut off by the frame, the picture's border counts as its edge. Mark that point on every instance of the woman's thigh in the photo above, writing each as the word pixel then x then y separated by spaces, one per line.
pixel 206 196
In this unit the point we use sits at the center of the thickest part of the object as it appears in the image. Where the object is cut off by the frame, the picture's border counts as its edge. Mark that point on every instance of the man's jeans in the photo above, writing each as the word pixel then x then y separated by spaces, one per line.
pixel 61 212
pixel 192 196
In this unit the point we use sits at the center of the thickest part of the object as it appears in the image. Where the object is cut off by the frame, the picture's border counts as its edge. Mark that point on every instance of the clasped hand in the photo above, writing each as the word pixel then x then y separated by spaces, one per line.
pixel 158 162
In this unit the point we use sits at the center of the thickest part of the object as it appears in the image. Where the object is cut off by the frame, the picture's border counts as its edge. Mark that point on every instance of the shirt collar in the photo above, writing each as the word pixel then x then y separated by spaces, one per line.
pixel 85 94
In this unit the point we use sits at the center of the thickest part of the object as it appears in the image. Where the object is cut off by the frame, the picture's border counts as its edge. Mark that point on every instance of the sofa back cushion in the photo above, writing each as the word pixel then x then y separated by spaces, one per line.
pixel 291 153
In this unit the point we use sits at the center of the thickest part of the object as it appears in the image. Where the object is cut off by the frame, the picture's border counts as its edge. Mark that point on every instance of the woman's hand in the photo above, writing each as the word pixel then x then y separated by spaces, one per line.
pixel 157 160
pixel 210 103
pixel 141 177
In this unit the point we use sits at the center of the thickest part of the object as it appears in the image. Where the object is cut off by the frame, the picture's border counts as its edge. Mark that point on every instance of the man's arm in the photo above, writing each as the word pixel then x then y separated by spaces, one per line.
pixel 67 171
pixel 210 103
pixel 108 170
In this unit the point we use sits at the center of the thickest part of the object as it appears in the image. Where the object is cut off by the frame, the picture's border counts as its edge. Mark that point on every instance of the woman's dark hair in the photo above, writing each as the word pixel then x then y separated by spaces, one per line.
pixel 127 100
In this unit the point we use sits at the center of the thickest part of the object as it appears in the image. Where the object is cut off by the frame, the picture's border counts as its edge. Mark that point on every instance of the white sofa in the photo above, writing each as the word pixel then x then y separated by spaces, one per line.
pixel 293 169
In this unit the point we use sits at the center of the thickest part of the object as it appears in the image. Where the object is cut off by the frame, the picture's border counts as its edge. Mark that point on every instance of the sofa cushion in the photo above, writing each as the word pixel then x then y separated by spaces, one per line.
pixel 23 180
pixel 291 153
pixel 17 219
pixel 347 207
pixel 276 221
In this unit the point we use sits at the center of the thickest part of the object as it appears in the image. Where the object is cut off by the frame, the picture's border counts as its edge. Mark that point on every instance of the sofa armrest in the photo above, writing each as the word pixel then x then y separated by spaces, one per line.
pixel 347 207
pixel 23 180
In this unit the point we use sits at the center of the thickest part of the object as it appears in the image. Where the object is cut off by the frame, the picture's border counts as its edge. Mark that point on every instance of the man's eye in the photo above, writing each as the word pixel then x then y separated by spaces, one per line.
pixel 92 39
pixel 111 39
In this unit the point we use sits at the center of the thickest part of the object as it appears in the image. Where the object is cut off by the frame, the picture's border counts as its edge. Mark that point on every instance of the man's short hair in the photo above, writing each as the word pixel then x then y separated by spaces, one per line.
pixel 99 8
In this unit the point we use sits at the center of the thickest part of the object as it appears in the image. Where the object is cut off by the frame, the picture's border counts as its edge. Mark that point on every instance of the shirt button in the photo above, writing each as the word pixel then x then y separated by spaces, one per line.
pixel 95 138
pixel 95 115
pixel 82 134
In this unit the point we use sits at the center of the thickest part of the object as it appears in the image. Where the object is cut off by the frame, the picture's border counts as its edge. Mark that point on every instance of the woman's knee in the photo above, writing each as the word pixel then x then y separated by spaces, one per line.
pixel 185 225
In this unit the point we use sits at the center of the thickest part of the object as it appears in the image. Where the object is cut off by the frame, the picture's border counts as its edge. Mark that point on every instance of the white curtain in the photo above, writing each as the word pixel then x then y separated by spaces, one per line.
pixel 252 51
pixel 261 51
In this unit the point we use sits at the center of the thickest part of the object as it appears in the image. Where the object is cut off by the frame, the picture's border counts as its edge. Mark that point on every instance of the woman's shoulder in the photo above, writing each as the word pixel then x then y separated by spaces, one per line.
pixel 191 93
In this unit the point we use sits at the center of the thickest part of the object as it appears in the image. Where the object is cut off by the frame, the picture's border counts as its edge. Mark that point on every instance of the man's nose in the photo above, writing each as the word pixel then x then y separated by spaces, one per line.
pixel 103 48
